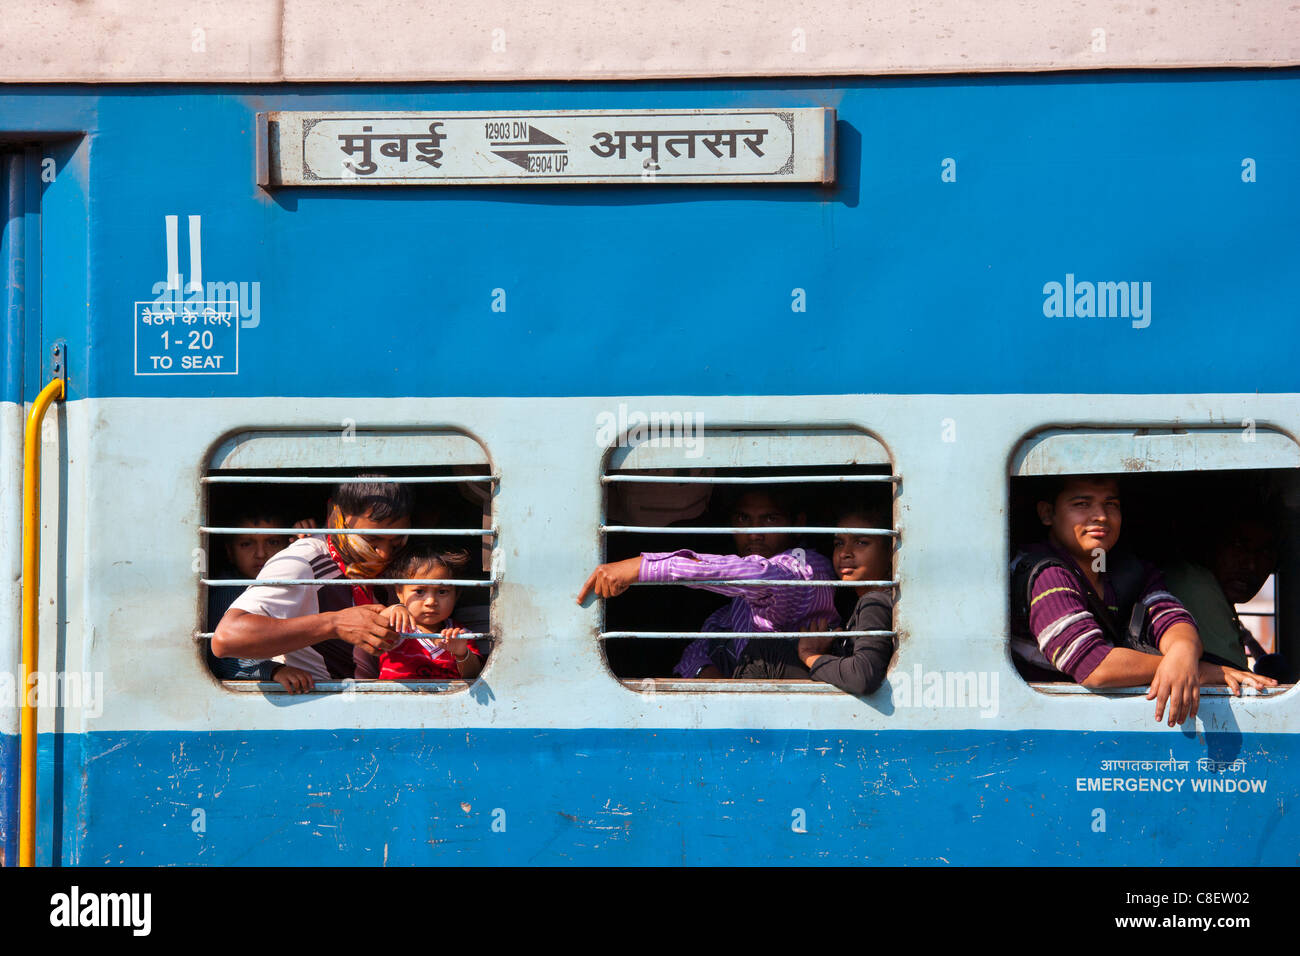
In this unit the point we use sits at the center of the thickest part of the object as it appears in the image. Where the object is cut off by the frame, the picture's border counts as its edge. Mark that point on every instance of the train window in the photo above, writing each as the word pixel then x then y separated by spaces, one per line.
pixel 802 487
pixel 1215 511
pixel 264 489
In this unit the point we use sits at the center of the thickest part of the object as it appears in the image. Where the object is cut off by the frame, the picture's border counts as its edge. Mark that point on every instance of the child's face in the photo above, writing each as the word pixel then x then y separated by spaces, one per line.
pixel 757 510
pixel 431 603
pixel 249 552
pixel 1085 516
pixel 860 557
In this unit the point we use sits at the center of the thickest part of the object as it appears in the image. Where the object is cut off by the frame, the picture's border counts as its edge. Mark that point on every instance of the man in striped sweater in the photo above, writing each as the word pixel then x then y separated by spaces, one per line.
pixel 1083 521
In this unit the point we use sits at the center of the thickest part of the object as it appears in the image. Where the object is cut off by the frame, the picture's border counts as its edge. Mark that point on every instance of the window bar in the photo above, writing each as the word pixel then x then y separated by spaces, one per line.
pixel 355 686
pixel 755 529
pixel 208 635
pixel 767 583
pixel 746 480
pixel 281 582
pixel 328 480
pixel 375 532
pixel 671 635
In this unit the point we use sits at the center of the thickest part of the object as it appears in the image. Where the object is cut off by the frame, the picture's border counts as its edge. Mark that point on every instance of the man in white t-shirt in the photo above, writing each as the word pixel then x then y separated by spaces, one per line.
pixel 317 625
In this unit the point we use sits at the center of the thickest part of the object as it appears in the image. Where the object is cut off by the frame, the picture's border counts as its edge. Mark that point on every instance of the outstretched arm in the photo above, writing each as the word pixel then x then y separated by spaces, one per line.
pixel 706 570
pixel 243 634
pixel 697 570
pixel 611 580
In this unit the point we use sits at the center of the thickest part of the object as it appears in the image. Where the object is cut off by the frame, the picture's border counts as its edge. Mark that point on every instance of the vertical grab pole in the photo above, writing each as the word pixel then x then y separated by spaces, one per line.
pixel 31 609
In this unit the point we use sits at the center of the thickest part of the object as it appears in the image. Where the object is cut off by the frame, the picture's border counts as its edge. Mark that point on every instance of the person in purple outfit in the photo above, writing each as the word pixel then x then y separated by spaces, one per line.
pixel 761 556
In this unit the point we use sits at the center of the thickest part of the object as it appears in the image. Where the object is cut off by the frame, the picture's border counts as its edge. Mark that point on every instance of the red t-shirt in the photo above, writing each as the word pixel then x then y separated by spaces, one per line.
pixel 418 659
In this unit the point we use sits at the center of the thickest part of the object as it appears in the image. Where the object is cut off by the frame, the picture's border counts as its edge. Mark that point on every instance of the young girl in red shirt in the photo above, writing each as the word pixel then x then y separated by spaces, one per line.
pixel 432 648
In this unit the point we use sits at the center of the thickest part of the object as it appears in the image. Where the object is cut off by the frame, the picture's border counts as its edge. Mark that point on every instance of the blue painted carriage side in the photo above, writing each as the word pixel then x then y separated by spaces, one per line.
pixel 913 285
pixel 9 796
pixel 660 796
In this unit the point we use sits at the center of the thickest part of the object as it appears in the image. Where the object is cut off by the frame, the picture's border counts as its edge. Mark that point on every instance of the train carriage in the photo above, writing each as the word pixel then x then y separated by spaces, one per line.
pixel 573 370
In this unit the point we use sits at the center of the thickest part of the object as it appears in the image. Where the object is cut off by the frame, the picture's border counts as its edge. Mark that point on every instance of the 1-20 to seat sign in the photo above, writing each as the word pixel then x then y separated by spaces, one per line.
pixel 196 338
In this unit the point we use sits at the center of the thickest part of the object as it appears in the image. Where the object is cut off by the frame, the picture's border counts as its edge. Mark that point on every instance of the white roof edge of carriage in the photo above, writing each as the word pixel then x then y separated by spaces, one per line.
pixel 303 41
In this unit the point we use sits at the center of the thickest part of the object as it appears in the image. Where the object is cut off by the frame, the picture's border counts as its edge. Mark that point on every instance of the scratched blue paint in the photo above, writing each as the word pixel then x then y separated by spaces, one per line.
pixel 913 285
pixel 656 796
pixel 9 796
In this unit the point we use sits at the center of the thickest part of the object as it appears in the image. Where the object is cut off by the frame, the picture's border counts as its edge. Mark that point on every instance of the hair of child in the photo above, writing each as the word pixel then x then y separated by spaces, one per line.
pixel 420 558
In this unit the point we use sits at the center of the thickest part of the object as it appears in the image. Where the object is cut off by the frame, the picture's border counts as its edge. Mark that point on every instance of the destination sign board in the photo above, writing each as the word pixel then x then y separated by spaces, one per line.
pixel 600 146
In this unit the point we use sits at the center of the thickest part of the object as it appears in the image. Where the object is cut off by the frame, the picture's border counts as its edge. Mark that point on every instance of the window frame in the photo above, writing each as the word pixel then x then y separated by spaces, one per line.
pixel 621 451
pixel 1282 454
pixel 236 445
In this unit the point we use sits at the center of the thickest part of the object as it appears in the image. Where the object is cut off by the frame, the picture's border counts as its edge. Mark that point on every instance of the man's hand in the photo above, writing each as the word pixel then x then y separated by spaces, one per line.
pixel 399 619
pixel 611 580
pixel 365 627
pixel 293 679
pixel 1234 678
pixel 1177 681
pixel 304 523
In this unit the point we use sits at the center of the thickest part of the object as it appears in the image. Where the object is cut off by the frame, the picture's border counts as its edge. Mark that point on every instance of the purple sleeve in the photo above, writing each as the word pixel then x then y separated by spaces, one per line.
pixel 1067 633
pixel 684 565
pixel 1163 608
pixel 768 608
pixel 694 659
pixel 696 656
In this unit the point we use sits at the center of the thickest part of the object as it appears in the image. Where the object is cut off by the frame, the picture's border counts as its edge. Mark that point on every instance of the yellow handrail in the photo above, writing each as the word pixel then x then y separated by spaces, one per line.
pixel 31 608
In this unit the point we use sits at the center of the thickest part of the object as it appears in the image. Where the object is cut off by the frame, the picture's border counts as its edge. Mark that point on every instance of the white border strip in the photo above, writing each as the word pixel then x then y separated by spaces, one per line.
pixel 132 608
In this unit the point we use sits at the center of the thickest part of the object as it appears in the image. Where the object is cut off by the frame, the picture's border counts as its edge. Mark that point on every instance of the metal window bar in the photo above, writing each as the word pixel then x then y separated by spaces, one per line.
pixel 675 635
pixel 1256 614
pixel 745 480
pixel 725 685
pixel 773 584
pixel 375 532
pixel 349 480
pixel 248 582
pixel 354 686
pixel 208 635
pixel 755 529
pixel 1070 688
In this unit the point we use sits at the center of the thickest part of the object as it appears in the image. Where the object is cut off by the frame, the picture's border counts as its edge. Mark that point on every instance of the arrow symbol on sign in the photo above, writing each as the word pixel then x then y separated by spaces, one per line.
pixel 535 138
